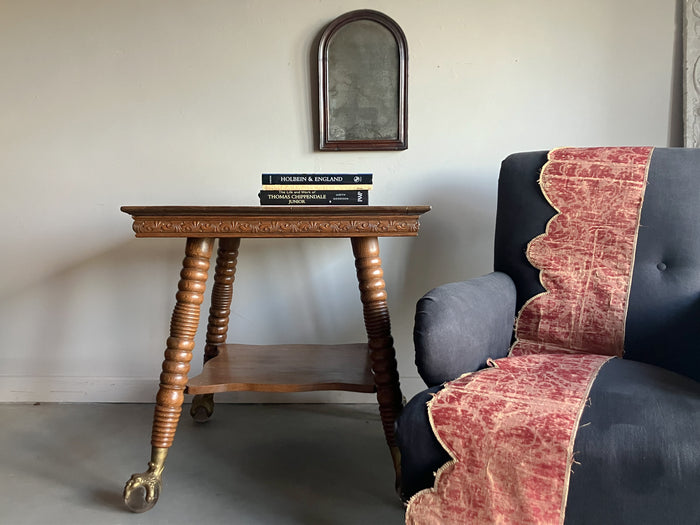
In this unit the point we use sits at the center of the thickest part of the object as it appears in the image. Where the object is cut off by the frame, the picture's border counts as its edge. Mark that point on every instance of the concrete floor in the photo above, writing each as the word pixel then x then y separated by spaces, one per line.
pixel 250 464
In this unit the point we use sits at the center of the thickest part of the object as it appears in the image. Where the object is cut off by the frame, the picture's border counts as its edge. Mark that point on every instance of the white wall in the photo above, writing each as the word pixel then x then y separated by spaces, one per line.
pixel 112 102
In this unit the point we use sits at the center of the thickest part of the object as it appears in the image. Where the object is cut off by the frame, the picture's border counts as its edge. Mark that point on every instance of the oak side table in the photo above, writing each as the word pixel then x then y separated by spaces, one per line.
pixel 363 367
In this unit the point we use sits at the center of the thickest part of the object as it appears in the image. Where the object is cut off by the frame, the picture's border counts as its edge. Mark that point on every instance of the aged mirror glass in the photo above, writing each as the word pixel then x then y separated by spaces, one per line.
pixel 362 66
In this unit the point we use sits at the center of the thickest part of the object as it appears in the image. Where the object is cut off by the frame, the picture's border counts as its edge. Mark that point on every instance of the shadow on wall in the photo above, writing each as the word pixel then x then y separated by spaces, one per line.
pixel 85 318
pixel 455 241
pixel 295 291
pixel 675 121
pixel 108 315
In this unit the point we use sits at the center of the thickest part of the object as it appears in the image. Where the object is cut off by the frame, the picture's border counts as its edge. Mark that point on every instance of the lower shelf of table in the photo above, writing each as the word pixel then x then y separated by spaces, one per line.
pixel 286 368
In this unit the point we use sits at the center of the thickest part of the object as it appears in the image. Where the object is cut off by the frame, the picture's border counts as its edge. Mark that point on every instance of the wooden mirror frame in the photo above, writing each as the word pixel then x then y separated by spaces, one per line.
pixel 325 96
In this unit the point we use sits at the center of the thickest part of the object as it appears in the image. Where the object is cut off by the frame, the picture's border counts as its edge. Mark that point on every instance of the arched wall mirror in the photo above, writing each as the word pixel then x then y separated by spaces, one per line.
pixel 363 74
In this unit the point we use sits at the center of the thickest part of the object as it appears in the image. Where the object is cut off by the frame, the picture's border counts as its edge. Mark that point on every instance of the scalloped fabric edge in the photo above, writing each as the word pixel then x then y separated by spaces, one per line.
pixel 586 255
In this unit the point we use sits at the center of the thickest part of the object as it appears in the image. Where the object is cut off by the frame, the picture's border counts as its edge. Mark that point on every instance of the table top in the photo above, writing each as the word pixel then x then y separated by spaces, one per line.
pixel 275 221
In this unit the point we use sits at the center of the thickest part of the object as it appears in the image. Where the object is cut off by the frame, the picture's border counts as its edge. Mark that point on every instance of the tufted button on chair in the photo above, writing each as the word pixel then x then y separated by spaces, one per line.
pixel 637 443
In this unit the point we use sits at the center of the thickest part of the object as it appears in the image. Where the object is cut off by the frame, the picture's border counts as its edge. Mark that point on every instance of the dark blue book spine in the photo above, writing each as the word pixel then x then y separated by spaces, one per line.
pixel 316 178
pixel 314 197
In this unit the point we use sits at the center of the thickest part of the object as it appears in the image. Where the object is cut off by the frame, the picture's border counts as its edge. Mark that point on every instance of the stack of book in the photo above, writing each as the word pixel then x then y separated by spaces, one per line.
pixel 339 189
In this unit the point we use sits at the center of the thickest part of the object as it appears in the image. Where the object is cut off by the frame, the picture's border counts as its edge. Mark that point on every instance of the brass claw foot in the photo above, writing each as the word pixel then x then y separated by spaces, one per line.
pixel 142 490
pixel 202 407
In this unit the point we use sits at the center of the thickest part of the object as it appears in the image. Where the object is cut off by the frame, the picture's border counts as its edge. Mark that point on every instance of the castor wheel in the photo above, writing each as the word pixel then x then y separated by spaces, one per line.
pixel 142 491
pixel 202 407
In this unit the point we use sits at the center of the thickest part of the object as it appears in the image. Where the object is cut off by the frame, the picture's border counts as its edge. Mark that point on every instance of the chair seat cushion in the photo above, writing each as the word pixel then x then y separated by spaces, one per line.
pixel 637 449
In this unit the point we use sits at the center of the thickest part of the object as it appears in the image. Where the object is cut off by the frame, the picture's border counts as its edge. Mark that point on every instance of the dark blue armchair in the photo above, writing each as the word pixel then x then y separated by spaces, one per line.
pixel 638 444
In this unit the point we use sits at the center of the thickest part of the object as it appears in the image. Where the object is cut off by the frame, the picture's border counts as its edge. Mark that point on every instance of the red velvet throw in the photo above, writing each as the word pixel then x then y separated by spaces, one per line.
pixel 586 254
pixel 510 428
pixel 509 432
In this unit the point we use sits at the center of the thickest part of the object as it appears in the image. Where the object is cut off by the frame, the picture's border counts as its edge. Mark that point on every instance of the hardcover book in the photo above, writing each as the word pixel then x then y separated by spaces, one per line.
pixel 314 197
pixel 316 187
pixel 316 178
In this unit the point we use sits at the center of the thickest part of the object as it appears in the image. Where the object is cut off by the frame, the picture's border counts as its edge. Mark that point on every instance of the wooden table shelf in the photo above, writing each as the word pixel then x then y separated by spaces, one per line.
pixel 286 368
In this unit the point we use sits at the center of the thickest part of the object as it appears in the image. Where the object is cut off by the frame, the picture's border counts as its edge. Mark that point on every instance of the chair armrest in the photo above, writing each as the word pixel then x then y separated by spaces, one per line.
pixel 458 326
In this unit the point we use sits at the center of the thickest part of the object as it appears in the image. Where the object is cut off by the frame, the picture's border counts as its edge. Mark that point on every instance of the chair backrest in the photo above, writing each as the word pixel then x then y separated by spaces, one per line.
pixel 663 318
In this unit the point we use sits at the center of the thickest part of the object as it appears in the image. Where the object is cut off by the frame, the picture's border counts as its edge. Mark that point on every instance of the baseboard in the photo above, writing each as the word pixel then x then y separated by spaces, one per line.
pixel 62 389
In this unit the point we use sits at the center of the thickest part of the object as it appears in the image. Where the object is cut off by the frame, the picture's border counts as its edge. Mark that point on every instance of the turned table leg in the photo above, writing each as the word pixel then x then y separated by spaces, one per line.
pixel 217 328
pixel 142 490
pixel 381 344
